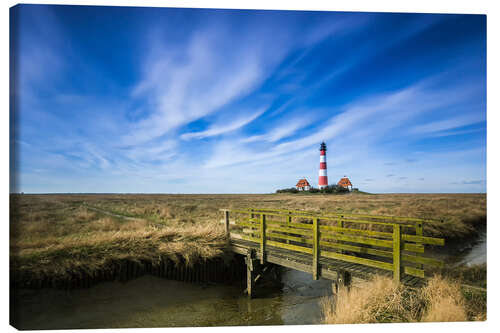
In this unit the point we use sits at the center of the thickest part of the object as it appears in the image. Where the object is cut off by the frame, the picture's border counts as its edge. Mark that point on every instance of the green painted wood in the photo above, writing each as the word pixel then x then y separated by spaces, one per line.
pixel 419 248
pixel 289 238
pixel 289 224
pixel 326 214
pixel 396 251
pixel 351 220
pixel 315 248
pixel 423 239
pixel 351 231
pixel 414 271
pixel 419 231
pixel 291 230
pixel 341 226
pixel 262 238
pixel 422 260
pixel 334 217
pixel 300 225
pixel 249 225
pixel 358 239
pixel 290 247
pixel 357 249
pixel 279 233
pixel 357 260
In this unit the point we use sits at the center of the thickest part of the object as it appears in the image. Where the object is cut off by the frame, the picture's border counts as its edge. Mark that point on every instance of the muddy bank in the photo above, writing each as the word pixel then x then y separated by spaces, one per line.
pixel 217 270
pixel 467 251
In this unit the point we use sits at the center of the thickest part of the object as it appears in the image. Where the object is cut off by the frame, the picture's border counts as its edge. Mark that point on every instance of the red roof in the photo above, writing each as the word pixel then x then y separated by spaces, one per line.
pixel 302 183
pixel 344 182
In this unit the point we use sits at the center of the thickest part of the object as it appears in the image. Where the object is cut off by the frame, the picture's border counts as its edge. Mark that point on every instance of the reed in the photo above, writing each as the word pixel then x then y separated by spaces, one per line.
pixel 381 300
pixel 57 235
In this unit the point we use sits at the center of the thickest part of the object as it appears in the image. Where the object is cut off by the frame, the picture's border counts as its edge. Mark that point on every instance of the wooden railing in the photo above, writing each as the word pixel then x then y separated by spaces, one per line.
pixel 389 243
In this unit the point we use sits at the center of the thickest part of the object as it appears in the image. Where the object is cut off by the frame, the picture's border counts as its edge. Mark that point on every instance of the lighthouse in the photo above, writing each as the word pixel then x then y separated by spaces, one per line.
pixel 323 178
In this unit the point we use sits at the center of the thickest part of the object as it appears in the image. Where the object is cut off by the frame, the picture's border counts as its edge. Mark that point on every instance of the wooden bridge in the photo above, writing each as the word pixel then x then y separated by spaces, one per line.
pixel 344 248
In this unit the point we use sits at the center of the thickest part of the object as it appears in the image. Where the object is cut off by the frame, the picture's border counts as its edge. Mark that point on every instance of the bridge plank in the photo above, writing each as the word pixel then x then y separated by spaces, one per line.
pixel 357 260
pixel 347 215
pixel 290 247
pixel 291 230
pixel 423 239
pixel 419 248
pixel 297 254
pixel 422 260
pixel 414 271
pixel 357 249
pixel 353 231
pixel 358 239
pixel 293 224
pixel 249 225
pixel 291 238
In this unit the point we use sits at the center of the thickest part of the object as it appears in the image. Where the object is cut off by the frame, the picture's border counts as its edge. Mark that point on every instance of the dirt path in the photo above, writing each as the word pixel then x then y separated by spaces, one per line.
pixel 128 218
pixel 99 210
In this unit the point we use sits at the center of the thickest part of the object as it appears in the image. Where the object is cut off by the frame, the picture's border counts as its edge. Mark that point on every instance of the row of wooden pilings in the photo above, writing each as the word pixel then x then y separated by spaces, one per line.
pixel 216 271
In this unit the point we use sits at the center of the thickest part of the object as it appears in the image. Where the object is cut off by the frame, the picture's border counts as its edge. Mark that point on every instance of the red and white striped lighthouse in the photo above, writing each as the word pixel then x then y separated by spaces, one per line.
pixel 323 178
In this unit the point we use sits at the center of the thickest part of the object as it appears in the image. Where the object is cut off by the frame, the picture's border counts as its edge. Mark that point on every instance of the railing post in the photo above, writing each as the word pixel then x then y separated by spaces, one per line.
pixel 250 217
pixel 262 238
pixel 341 225
pixel 250 273
pixel 288 221
pixel 226 223
pixel 396 252
pixel 315 248
pixel 419 231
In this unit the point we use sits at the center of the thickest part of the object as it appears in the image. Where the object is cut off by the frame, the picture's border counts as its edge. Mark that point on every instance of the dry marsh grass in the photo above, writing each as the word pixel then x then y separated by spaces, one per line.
pixel 56 234
pixel 381 300
pixel 69 237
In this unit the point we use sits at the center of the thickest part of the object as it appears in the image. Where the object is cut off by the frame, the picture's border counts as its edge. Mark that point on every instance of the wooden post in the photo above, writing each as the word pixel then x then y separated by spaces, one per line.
pixel 419 231
pixel 396 252
pixel 262 238
pixel 250 278
pixel 344 280
pixel 249 281
pixel 249 221
pixel 226 221
pixel 341 225
pixel 315 248
pixel 288 221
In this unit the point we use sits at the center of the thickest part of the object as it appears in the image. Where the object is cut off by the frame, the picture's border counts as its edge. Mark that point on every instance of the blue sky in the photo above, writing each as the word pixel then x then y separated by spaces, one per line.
pixel 168 100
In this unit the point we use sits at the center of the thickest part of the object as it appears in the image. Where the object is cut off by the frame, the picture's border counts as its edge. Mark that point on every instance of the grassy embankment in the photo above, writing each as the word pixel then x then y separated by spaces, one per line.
pixel 383 301
pixel 55 235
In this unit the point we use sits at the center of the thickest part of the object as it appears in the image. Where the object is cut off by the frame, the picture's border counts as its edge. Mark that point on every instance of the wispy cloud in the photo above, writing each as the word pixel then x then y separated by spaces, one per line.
pixel 219 129
pixel 245 99
pixel 450 123
pixel 281 131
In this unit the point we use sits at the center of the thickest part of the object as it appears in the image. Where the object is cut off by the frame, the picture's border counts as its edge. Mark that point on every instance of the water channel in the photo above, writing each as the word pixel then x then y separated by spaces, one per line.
pixel 155 302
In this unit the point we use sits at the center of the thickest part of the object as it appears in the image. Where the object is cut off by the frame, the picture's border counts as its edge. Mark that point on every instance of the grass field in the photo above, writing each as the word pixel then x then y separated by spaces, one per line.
pixel 381 300
pixel 55 234
pixel 58 235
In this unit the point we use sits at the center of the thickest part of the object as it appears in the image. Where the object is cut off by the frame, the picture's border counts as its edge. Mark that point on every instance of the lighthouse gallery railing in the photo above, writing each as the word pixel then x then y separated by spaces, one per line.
pixel 384 242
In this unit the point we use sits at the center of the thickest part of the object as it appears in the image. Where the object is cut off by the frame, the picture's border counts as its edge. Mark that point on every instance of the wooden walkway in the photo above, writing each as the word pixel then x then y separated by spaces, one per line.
pixel 344 248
